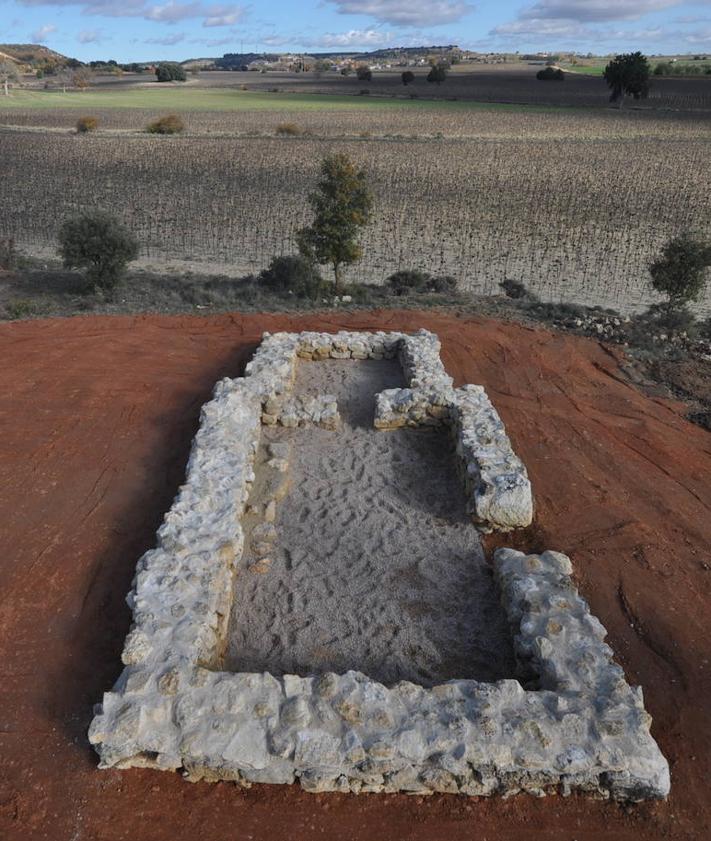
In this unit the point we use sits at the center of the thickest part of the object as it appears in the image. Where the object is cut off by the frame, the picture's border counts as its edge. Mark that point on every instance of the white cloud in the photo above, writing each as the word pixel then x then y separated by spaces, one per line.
pixel 168 41
pixel 580 20
pixel 39 36
pixel 172 12
pixel 353 38
pixel 223 15
pixel 169 12
pixel 594 10
pixel 212 42
pixel 89 36
pixel 702 37
pixel 406 12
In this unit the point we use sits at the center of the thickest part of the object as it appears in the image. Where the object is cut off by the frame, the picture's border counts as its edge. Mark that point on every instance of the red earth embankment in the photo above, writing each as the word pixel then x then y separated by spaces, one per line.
pixel 97 415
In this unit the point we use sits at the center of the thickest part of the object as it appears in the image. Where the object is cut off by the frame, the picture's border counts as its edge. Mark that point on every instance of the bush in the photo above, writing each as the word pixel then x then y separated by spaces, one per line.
pixel 364 74
pixel 679 273
pixel 289 130
pixel 513 289
pixel 87 124
pixel 170 71
pixel 293 274
pixel 408 77
pixel 551 74
pixel 171 124
pixel 671 320
pixel 100 244
pixel 443 285
pixel 408 281
pixel 19 308
pixel 437 74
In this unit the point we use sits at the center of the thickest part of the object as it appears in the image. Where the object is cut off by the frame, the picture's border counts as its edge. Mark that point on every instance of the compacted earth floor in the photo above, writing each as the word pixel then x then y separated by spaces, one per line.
pixel 376 566
pixel 97 416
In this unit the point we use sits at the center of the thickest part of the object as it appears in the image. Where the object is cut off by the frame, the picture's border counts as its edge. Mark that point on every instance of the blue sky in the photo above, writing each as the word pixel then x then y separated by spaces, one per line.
pixel 135 30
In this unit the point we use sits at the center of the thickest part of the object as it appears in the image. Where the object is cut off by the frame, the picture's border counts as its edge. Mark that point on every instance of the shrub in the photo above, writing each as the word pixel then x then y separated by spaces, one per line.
pixel 170 71
pixel 437 74
pixel 551 74
pixel 289 130
pixel 364 74
pixel 671 320
pixel 87 124
pixel 408 77
pixel 407 281
pixel 679 273
pixel 295 274
pixel 19 308
pixel 442 285
pixel 513 289
pixel 100 244
pixel 171 124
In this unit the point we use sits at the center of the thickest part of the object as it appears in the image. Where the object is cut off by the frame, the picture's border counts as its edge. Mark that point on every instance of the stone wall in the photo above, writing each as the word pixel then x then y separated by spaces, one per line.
pixel 578 725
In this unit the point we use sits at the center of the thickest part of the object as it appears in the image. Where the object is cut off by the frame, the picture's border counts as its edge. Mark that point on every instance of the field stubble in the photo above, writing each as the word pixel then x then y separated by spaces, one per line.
pixel 573 204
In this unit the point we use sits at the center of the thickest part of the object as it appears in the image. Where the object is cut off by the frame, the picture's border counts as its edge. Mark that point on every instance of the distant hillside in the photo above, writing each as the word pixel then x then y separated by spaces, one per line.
pixel 32 54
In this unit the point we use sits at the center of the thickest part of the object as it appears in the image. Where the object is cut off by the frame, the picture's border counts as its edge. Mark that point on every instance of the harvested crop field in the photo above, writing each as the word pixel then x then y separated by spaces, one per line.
pixel 99 414
pixel 573 204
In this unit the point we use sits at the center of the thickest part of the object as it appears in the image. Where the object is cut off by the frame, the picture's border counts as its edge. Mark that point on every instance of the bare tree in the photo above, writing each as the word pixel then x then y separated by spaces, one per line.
pixel 82 78
pixel 8 74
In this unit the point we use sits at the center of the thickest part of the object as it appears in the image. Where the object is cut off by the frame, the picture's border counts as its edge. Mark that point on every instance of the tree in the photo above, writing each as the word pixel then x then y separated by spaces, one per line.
pixel 99 243
pixel 82 78
pixel 364 74
pixel 628 74
pixel 408 77
pixel 342 205
pixel 320 67
pixel 679 273
pixel 170 71
pixel 437 74
pixel 8 74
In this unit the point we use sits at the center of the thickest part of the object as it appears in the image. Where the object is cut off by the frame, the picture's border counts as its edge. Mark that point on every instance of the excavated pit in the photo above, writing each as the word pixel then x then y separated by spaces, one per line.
pixel 374 564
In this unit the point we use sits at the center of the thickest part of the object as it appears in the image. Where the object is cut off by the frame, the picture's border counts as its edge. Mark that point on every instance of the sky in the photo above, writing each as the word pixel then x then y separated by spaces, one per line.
pixel 143 30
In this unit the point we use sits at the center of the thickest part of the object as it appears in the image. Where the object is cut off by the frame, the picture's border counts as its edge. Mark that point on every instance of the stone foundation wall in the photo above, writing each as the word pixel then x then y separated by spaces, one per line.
pixel 580 726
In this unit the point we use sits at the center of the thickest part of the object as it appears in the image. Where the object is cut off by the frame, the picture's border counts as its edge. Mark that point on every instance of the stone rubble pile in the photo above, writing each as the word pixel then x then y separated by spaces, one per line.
pixel 584 729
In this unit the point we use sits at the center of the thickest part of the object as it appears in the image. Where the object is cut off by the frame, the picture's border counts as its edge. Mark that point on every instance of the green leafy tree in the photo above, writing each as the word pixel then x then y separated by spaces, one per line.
pixel 170 71
pixel 342 204
pixel 437 74
pixel 680 271
pixel 408 77
pixel 627 74
pixel 100 244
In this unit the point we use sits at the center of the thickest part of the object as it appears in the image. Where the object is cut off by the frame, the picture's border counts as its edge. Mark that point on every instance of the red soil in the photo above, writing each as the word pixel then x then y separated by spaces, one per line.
pixel 98 414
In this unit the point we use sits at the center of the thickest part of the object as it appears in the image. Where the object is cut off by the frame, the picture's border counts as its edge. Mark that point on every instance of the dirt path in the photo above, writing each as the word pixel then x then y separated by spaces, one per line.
pixel 97 415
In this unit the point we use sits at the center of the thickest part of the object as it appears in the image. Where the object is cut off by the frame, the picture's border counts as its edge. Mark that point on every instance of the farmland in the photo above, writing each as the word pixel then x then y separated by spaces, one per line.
pixel 573 202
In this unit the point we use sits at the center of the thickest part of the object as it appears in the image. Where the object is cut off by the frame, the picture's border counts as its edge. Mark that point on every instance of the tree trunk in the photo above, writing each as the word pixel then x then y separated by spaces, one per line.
pixel 6 87
pixel 337 278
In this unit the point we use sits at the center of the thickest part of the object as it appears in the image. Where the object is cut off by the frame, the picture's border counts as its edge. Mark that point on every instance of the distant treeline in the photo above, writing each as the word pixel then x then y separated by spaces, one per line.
pixel 674 68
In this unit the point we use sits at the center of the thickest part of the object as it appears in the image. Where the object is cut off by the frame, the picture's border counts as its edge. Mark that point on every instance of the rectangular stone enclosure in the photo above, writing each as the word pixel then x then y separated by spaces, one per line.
pixel 318 607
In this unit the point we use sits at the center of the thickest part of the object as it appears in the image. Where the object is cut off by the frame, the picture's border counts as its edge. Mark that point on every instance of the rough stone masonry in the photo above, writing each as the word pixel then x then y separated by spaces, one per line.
pixel 570 722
